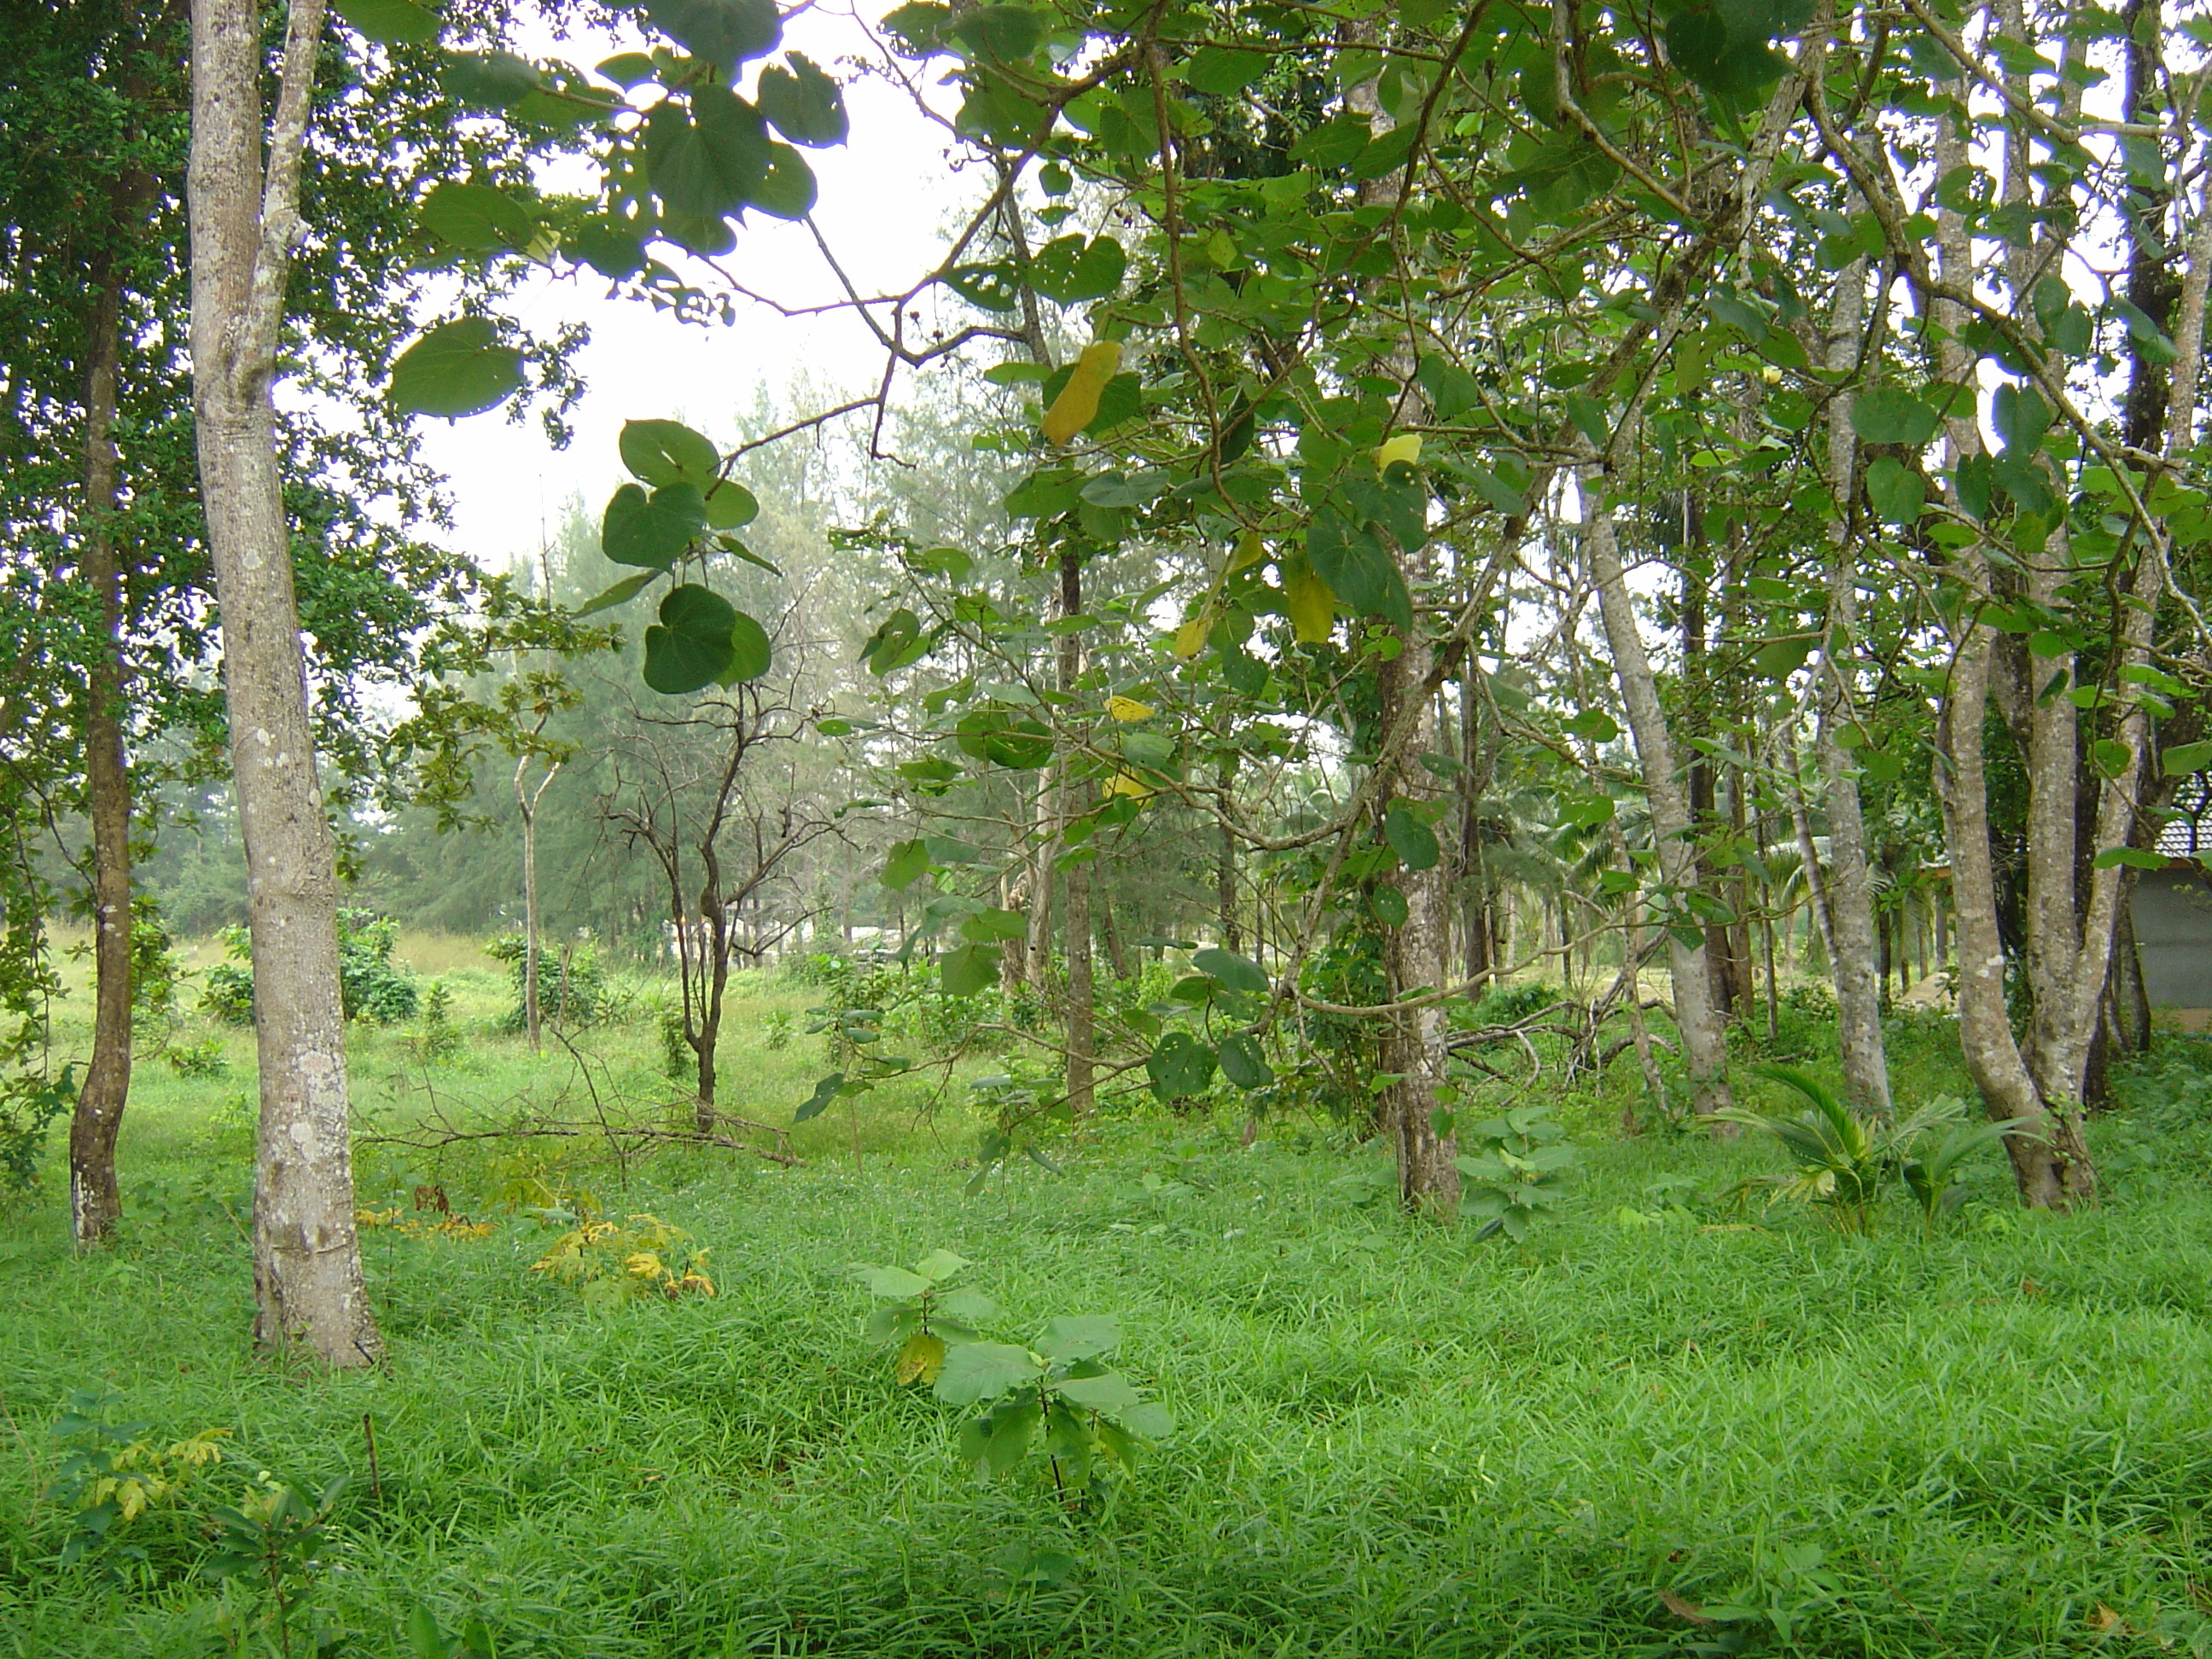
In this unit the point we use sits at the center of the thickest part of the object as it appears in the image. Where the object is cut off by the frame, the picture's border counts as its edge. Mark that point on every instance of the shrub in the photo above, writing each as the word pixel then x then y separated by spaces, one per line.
pixel 370 984
pixel 28 1106
pixel 203 1058
pixel 572 987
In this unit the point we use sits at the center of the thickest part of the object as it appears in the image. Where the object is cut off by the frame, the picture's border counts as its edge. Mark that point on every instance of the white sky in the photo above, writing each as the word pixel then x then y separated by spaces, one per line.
pixel 885 198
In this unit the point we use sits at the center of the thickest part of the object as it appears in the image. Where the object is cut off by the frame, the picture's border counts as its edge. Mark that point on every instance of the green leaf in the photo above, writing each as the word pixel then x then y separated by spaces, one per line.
pixel 894 1282
pixel 1147 1421
pixel 751 653
pixel 706 160
pixel 1179 1065
pixel 787 190
pixel 1898 493
pixel 908 863
pixel 1887 415
pixel 1358 570
pixel 388 22
pixel 1230 970
pixel 1594 724
pixel 608 246
pixel 2185 759
pixel 1223 72
pixel 1000 1437
pixel 802 103
pixel 477 218
pixel 995 926
pixel 1080 1336
pixel 2020 416
pixel 1003 33
pixel 1388 905
pixel 826 1091
pixel 1244 1062
pixel 654 531
pixel 691 647
pixel 977 1371
pixel 620 593
pixel 970 969
pixel 424 1636
pixel 1414 841
pixel 458 369
pixel 726 32
pixel 2112 856
pixel 668 453
pixel 1069 270
pixel 732 507
pixel 488 79
pixel 1109 1392
pixel 627 69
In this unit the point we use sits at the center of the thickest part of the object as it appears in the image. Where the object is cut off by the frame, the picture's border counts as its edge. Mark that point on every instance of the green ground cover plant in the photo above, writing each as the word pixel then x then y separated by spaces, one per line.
pixel 1658 1425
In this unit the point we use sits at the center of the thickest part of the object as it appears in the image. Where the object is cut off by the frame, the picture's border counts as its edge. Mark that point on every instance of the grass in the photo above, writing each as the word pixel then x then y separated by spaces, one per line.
pixel 1391 1439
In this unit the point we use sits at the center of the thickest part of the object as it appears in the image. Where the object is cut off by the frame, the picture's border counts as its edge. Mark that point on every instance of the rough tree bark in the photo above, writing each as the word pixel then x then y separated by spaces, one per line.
pixel 1704 1041
pixel 1849 894
pixel 1417 954
pixel 1075 880
pixel 245 225
pixel 95 1199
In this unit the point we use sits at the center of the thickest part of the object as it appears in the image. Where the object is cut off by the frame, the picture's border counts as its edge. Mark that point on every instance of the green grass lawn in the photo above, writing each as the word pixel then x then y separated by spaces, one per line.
pixel 1712 1433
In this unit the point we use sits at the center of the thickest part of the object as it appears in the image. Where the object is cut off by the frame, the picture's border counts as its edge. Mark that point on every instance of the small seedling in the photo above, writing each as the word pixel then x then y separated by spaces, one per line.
pixel 1092 1419
pixel 921 1317
pixel 1517 1171
pixel 112 1473
pixel 277 1535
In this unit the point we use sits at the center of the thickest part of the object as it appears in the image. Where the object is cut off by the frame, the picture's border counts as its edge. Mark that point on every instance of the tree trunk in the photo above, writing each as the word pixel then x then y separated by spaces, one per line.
pixel 2050 1163
pixel 306 1256
pixel 1417 956
pixel 1704 1041
pixel 1848 906
pixel 527 804
pixel 1224 872
pixel 95 1199
pixel 1075 880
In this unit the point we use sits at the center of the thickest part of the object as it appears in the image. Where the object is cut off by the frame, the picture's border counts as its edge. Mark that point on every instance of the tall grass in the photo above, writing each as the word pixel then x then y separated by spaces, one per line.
pixel 1661 1426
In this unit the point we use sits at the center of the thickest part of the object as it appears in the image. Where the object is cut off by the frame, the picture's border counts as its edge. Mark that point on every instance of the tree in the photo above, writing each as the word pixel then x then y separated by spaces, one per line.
pixel 245 225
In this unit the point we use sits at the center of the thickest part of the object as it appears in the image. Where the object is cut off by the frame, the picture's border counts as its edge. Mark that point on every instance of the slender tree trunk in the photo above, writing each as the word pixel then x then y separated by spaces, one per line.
pixel 527 802
pixel 1225 871
pixel 1704 1039
pixel 1075 880
pixel 1417 956
pixel 1848 906
pixel 308 1278
pixel 95 1199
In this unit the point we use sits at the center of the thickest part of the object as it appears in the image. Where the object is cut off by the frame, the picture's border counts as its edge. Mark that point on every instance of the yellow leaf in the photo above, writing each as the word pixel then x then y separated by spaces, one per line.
pixel 1190 638
pixel 1129 709
pixel 1251 549
pixel 1406 446
pixel 1123 784
pixel 922 1359
pixel 644 1265
pixel 2103 1621
pixel 1077 406
pixel 1312 606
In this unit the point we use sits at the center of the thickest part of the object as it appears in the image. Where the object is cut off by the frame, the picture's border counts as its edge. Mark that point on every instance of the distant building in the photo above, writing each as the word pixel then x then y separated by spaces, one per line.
pixel 2172 913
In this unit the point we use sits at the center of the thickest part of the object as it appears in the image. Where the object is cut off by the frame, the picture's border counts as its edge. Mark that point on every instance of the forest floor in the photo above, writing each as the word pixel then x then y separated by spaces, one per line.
pixel 1664 1425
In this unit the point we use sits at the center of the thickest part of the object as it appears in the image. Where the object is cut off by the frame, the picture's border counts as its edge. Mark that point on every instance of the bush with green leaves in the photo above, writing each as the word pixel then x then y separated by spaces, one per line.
pixel 1513 1168
pixel 1845 1163
pixel 1055 1396
pixel 372 985
pixel 29 1103
pixel 572 986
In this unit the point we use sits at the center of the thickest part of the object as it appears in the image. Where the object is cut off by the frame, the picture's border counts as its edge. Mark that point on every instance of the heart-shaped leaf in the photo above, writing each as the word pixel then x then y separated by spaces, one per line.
pixel 652 530
pixel 457 368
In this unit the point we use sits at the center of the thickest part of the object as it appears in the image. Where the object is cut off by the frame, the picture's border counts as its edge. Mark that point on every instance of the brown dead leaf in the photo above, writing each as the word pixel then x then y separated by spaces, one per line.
pixel 1683 1608
pixel 2102 1619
